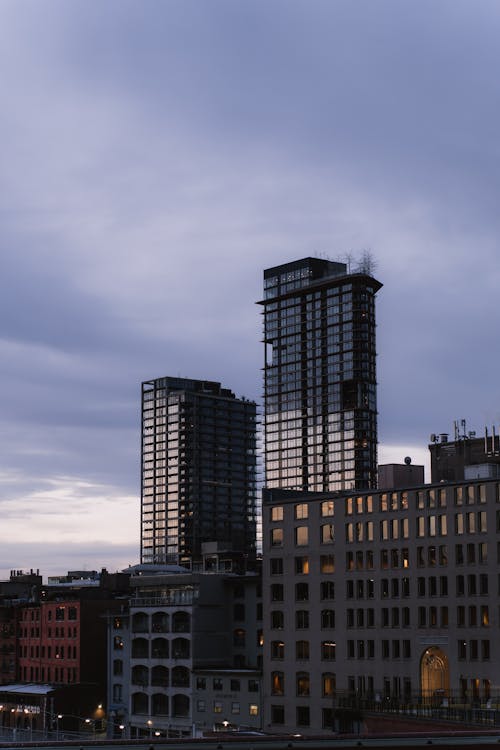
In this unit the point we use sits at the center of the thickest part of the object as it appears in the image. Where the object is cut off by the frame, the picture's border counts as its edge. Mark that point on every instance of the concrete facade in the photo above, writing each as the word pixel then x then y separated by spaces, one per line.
pixel 185 660
pixel 378 596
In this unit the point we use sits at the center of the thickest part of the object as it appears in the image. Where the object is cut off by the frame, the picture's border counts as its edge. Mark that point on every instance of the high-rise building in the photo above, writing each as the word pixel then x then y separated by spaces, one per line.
pixel 198 471
pixel 320 412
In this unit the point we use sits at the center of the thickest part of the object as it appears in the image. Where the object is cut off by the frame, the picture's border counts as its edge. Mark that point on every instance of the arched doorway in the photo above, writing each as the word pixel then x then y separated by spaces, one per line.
pixel 434 673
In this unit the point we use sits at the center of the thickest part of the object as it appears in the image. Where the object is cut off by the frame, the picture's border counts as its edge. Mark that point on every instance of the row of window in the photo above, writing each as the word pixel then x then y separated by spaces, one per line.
pixel 68 632
pixel 235 707
pixel 396 528
pixel 56 652
pixel 395 501
pixel 395 617
pixel 303 683
pixel 64 675
pixel 430 556
pixel 61 612
pixel 233 684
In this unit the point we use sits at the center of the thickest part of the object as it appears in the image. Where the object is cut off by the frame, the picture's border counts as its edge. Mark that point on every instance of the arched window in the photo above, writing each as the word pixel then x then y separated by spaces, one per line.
pixel 159 648
pixel 181 622
pixel 140 703
pixel 159 704
pixel 140 648
pixel 180 648
pixel 159 676
pixel 180 677
pixel 140 622
pixel 327 618
pixel 160 622
pixel 239 637
pixel 140 675
pixel 180 705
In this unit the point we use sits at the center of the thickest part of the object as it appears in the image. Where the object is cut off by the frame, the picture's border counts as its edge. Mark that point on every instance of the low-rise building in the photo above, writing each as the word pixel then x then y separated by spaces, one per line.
pixel 171 657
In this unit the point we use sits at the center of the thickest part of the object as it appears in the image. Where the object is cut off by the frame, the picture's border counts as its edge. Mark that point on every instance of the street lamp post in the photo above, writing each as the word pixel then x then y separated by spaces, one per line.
pixel 59 717
pixel 150 725
pixel 91 723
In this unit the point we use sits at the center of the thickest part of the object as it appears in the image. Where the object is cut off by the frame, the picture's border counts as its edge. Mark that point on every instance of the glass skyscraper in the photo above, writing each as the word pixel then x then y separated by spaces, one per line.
pixel 320 411
pixel 198 471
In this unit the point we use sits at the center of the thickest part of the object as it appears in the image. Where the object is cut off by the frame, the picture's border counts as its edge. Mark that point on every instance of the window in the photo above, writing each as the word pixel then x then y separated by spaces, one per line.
pixel 485 616
pixel 277 714
pixel 302 619
pixel 328 684
pixel 327 564
pixel 302 565
pixel 302 683
pixel 276 565
pixel 239 637
pixel 302 714
pixel 277 683
pixel 328 649
pixel 277 592
pixel 276 537
pixel 327 618
pixel 485 650
pixel 253 686
pixel 217 707
pixel 327 533
pixel 117 667
pixel 217 683
pixel 253 709
pixel 235 707
pixel 277 619
pixel 277 513
pixel 327 508
pixel 302 650
pixel 301 536
pixel 327 590
pixel 301 511
pixel 235 686
pixel 461 616
pixel 301 592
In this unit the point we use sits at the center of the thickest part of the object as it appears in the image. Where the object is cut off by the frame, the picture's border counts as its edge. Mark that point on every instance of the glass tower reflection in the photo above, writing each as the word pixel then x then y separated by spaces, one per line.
pixel 320 412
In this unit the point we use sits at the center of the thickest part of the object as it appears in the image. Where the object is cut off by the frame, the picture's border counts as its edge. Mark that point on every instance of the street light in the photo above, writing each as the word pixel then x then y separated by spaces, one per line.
pixel 59 717
pixel 91 722
pixel 150 725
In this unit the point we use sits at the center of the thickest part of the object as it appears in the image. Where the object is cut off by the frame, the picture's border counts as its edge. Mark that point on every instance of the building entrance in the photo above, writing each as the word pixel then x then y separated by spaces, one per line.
pixel 434 673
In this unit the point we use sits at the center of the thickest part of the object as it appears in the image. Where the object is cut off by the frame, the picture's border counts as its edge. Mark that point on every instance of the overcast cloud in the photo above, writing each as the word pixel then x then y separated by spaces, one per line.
pixel 156 156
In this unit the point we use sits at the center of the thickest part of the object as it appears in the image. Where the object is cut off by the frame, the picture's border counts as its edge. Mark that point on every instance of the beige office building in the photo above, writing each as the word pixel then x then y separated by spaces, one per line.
pixel 379 596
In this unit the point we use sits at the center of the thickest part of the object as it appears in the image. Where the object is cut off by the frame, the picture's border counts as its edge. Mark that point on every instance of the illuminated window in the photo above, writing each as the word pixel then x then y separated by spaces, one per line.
pixel 301 511
pixel 327 533
pixel 301 536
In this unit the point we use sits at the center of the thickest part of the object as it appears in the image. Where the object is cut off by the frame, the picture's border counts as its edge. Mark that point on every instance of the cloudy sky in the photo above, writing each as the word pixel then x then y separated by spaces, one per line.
pixel 156 155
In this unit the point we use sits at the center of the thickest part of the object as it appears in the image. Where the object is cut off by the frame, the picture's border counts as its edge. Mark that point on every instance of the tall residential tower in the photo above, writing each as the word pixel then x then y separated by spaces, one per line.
pixel 320 412
pixel 198 471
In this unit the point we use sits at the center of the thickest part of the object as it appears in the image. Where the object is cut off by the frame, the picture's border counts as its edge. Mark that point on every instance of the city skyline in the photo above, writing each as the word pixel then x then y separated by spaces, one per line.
pixel 159 158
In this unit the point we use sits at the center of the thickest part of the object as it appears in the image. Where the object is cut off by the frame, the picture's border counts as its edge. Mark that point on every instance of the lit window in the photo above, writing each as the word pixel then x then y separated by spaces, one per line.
pixel 301 536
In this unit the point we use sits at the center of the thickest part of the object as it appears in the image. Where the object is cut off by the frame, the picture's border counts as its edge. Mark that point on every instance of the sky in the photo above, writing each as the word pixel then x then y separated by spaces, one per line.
pixel 157 155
